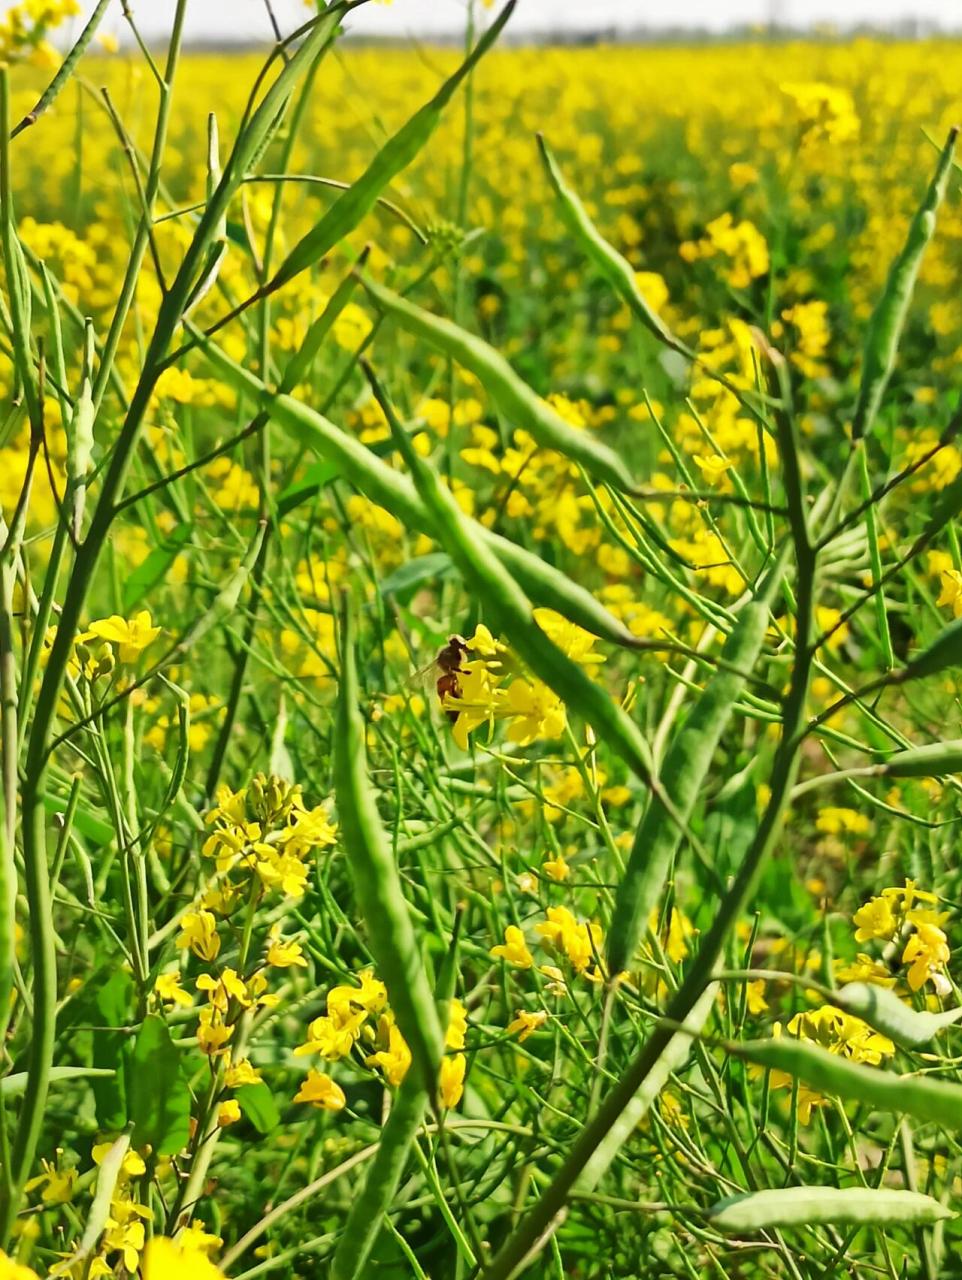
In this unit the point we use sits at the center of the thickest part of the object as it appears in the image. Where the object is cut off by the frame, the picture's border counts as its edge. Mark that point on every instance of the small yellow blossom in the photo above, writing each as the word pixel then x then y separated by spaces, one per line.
pixel 321 1091
pixel 131 638
pixel 514 949
pixel 525 1024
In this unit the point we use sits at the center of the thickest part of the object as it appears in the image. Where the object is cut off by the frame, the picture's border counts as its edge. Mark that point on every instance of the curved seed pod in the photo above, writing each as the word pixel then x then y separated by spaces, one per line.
pixel 397 1137
pixel 544 584
pixel 395 156
pixel 931 1101
pixel 825 1206
pixel 65 70
pixel 377 883
pixel 516 400
pixel 883 1010
pixel 888 319
pixel 617 270
pixel 511 613
pixel 672 1058
pixel 682 775
pixel 930 761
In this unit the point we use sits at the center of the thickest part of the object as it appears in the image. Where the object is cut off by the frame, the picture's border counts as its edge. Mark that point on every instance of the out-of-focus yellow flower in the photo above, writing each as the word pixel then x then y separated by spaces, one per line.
pixel 395 1060
pixel 451 1079
pixel 875 919
pixel 514 949
pixel 525 1023
pixel 321 1091
pixel 166 1259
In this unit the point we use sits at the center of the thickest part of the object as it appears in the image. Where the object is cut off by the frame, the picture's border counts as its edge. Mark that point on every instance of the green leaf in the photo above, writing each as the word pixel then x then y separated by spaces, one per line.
pixel 258 1105
pixel 84 820
pixel 155 568
pixel 308 486
pixel 157 1093
pixel 113 1004
pixel 404 581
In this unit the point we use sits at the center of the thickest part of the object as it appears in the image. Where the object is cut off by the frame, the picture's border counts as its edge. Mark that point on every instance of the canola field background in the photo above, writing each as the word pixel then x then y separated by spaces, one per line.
pixel 241 1005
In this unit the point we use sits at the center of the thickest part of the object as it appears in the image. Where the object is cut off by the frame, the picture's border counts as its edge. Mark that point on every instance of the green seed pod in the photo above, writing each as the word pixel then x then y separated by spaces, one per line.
pixel 931 1101
pixel 617 270
pixel 883 1010
pixel 395 156
pixel 888 319
pixel 80 436
pixel 377 884
pixel 931 761
pixel 516 400
pixel 544 584
pixel 825 1206
pixel 683 775
pixel 511 613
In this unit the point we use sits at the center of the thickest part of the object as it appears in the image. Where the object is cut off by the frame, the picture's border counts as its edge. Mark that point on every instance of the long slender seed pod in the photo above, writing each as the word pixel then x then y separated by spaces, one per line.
pixel 544 584
pixel 395 156
pixel 377 884
pixel 824 1206
pixel 516 400
pixel 888 318
pixel 682 775
pixel 511 613
pixel 930 761
pixel 883 1010
pixel 616 269
pixel 65 70
pixel 384 1173
pixel 935 1101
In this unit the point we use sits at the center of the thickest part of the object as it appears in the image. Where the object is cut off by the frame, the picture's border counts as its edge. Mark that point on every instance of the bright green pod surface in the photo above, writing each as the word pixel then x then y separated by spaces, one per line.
pixel 944 651
pixel 888 319
pixel 384 1174
pixel 377 883
pixel 544 584
pixel 393 158
pixel 929 761
pixel 927 1100
pixel 522 406
pixel 884 1011
pixel 616 269
pixel 674 1056
pixel 682 775
pixel 825 1206
pixel 511 614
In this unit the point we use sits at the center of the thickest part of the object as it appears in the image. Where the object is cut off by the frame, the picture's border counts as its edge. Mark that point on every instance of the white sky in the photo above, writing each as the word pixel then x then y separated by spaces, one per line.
pixel 247 19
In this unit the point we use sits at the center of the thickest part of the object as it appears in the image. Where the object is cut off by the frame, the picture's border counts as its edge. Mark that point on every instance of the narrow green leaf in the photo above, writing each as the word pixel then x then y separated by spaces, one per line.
pixel 258 1105
pixel 157 1093
pixel 154 569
